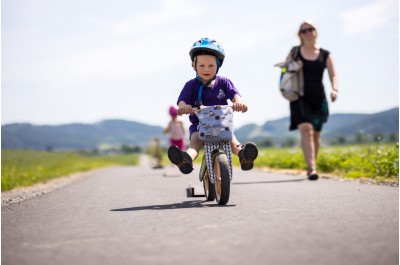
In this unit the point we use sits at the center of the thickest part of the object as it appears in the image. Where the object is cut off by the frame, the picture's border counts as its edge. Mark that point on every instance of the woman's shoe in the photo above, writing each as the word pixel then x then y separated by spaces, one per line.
pixel 312 174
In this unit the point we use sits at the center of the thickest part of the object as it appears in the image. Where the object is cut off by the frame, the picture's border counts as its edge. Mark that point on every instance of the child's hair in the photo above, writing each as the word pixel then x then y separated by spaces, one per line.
pixel 201 52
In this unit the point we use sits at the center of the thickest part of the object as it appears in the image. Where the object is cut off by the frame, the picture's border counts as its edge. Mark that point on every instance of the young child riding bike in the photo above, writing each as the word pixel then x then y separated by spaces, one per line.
pixel 208 89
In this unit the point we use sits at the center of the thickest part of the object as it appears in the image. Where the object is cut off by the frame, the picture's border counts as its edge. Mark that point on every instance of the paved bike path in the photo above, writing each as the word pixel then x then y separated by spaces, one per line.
pixel 137 215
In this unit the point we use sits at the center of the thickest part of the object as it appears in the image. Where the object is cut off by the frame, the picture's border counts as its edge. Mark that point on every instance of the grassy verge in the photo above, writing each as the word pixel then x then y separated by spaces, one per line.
pixel 378 162
pixel 27 167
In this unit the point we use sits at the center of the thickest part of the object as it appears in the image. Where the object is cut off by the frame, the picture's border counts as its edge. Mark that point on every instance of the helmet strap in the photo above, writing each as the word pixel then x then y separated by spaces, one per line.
pixel 199 101
pixel 218 65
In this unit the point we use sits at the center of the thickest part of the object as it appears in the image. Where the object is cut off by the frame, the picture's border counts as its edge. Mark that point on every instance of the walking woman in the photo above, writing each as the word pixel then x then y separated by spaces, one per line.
pixel 310 112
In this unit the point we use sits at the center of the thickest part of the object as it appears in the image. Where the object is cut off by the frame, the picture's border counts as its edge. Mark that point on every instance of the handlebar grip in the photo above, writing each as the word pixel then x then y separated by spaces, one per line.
pixel 180 113
pixel 194 109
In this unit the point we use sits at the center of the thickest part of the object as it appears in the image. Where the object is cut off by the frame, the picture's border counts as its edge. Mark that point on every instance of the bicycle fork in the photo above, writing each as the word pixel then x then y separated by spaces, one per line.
pixel 211 149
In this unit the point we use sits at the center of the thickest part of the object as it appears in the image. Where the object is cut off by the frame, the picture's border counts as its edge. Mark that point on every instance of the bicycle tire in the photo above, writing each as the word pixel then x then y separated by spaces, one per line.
pixel 209 189
pixel 222 178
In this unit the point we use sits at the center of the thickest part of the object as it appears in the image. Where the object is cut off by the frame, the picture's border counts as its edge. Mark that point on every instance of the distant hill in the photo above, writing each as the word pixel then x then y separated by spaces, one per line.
pixel 108 133
pixel 114 133
pixel 385 122
pixel 339 125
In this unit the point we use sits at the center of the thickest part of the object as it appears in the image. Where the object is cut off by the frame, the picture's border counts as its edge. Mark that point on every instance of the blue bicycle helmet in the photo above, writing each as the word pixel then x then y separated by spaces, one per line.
pixel 208 46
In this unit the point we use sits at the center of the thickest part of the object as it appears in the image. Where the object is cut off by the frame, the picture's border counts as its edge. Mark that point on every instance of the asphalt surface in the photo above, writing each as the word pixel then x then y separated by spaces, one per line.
pixel 137 215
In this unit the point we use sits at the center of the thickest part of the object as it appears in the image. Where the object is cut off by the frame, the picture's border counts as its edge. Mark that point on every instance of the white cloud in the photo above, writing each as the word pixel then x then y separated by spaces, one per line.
pixel 369 17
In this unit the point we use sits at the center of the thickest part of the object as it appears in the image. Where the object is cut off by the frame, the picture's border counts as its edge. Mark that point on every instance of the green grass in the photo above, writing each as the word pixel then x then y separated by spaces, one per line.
pixel 379 162
pixel 28 167
pixel 373 161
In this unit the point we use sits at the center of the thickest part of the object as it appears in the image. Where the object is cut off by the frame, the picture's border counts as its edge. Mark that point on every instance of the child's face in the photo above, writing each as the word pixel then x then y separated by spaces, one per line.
pixel 206 67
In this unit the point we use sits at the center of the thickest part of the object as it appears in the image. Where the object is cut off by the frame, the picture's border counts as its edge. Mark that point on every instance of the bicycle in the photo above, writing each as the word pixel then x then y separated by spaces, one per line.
pixel 216 166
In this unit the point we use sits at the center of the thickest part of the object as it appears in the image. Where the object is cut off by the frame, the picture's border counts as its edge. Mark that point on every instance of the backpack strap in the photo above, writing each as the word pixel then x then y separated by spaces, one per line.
pixel 295 52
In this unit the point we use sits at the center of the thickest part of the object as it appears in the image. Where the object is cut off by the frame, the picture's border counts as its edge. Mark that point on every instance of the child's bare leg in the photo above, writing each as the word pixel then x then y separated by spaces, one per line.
pixel 195 145
pixel 184 160
pixel 235 145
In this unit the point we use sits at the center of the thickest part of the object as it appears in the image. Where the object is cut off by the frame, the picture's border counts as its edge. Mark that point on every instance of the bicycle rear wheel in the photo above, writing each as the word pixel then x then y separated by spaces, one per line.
pixel 222 178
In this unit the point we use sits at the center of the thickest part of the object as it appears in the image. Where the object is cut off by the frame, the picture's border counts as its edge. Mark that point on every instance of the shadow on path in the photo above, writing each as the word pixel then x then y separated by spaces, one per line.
pixel 182 205
pixel 268 182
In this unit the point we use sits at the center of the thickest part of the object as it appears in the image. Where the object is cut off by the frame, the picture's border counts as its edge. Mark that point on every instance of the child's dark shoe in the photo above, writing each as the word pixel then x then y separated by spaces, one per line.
pixel 181 159
pixel 247 156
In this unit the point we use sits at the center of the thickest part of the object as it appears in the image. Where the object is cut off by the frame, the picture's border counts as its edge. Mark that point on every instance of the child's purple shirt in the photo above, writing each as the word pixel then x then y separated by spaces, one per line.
pixel 219 94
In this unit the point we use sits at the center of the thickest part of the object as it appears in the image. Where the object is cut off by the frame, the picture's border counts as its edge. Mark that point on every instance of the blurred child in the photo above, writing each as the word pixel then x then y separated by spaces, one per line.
pixel 176 129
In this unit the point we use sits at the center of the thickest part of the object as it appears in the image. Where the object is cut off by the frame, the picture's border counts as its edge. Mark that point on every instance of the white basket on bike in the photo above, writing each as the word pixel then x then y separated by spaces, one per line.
pixel 215 123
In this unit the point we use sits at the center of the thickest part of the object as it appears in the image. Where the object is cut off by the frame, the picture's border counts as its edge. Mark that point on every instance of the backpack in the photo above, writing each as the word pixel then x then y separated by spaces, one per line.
pixel 291 83
pixel 215 123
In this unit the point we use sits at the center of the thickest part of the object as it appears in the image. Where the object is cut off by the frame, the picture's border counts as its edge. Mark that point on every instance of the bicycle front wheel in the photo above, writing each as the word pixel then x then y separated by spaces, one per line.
pixel 222 178
pixel 209 190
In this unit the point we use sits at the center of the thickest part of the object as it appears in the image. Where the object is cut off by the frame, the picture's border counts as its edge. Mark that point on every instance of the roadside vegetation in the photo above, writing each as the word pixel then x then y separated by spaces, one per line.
pixel 377 161
pixel 28 167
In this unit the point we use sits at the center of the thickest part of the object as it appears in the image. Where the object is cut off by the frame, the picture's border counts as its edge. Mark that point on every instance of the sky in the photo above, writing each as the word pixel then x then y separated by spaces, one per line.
pixel 82 61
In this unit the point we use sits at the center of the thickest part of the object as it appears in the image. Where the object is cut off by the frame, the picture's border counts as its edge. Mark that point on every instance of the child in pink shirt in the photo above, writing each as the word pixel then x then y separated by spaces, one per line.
pixel 175 129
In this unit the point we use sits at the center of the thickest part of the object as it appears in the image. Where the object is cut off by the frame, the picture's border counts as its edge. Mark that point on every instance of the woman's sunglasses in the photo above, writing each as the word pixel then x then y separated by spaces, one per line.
pixel 304 31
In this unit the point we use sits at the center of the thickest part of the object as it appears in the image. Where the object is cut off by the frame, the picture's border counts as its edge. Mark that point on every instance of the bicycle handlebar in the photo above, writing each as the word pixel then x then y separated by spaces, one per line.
pixel 194 109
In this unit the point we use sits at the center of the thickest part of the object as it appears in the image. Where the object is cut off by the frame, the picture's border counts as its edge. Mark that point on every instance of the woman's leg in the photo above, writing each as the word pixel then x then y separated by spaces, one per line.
pixel 317 143
pixel 308 145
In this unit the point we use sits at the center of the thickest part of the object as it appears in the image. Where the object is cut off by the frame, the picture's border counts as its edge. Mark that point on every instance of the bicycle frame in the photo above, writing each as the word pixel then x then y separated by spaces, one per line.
pixel 216 130
pixel 216 171
pixel 210 150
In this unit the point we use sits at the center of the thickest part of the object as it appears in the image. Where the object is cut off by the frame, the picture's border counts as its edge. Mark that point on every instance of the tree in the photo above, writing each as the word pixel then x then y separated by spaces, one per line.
pixel 267 143
pixel 127 149
pixel 341 140
pixel 378 137
pixel 361 137
pixel 289 142
pixel 393 137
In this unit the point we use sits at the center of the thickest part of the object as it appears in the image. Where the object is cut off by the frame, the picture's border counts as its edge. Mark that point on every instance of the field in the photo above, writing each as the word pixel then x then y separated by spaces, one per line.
pixel 27 167
pixel 378 161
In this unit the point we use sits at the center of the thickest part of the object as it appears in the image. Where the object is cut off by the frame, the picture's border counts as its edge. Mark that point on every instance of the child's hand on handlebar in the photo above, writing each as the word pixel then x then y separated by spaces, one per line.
pixel 239 106
pixel 186 109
